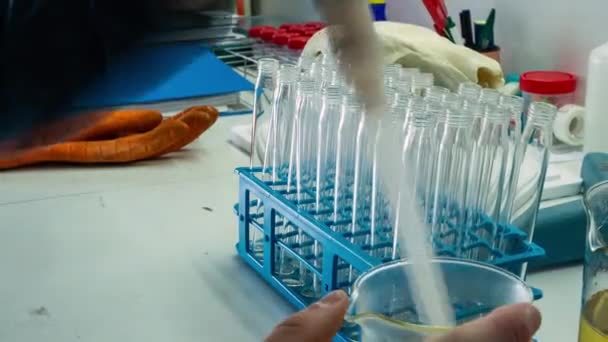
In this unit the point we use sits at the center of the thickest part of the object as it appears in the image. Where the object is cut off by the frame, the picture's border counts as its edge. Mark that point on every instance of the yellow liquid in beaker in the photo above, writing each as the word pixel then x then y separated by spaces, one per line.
pixel 594 320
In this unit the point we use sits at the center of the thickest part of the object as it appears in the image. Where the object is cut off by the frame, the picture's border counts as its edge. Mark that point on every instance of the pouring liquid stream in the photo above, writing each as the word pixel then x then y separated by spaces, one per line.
pixel 427 282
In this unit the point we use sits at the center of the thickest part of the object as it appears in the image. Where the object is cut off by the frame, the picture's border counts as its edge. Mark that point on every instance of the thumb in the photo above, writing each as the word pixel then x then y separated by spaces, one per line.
pixel 514 323
pixel 318 323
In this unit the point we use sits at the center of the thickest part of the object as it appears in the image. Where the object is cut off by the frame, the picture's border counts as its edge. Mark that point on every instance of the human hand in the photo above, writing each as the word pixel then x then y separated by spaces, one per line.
pixel 514 323
pixel 321 322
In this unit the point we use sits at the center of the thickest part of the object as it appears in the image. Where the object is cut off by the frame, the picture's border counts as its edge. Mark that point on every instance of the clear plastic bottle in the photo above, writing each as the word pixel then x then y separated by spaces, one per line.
pixel 265 85
pixel 529 170
pixel 278 145
pixel 329 120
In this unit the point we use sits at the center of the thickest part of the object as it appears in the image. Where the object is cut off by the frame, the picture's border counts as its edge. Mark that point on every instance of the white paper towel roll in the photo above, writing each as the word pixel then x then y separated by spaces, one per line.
pixel 569 125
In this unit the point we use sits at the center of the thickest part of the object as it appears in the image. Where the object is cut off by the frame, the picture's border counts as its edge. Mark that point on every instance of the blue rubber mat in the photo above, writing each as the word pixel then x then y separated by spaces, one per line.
pixel 162 73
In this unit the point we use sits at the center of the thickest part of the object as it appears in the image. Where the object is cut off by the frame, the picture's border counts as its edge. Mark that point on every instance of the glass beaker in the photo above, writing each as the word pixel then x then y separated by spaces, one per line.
pixel 594 313
pixel 384 307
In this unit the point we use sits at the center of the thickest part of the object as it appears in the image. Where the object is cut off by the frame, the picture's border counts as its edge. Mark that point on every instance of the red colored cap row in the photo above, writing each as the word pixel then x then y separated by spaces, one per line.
pixel 297 43
pixel 282 38
pixel 547 82
pixel 256 31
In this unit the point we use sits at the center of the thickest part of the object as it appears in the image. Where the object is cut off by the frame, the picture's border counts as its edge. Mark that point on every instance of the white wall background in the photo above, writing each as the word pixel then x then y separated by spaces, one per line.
pixel 551 34
pixel 413 11
pixel 533 34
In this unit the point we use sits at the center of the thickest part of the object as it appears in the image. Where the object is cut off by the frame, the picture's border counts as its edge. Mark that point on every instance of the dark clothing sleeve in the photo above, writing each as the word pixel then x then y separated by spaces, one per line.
pixel 50 50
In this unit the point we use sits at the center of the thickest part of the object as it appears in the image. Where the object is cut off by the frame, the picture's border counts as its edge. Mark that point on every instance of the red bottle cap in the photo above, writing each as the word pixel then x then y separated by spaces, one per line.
pixel 547 82
pixel 310 32
pixel 288 26
pixel 316 24
pixel 297 43
pixel 300 29
pixel 267 34
pixel 282 38
pixel 296 28
pixel 255 31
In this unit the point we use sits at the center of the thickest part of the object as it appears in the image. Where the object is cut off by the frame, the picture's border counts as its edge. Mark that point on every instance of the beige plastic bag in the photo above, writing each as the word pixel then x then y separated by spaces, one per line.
pixel 418 47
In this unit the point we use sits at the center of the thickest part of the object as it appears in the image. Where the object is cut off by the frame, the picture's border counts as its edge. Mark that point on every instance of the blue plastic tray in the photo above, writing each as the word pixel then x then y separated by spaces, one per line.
pixel 269 221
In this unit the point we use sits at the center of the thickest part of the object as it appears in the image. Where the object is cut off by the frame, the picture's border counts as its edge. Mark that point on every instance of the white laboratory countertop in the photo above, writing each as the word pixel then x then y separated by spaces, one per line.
pixel 146 252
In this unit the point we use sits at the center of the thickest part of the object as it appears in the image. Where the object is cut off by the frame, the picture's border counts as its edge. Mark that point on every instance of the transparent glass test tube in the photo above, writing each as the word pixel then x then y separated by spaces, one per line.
pixel 436 93
pixel 410 106
pixel 276 156
pixel 469 91
pixel 529 170
pixel 439 114
pixel 451 180
pixel 515 105
pixel 487 177
pixel 326 144
pixel 301 157
pixel 489 96
pixel 417 146
pixel 422 82
pixel 262 103
pixel 350 115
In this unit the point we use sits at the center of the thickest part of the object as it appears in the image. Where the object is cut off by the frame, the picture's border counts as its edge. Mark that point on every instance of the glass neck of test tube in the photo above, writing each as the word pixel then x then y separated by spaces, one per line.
pixel 537 133
pixel 264 87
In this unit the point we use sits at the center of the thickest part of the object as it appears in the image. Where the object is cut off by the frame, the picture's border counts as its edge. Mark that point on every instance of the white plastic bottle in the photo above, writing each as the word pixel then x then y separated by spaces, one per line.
pixel 596 120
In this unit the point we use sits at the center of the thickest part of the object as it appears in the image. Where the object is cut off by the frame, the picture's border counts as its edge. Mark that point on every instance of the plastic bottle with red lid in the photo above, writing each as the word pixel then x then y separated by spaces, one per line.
pixel 555 87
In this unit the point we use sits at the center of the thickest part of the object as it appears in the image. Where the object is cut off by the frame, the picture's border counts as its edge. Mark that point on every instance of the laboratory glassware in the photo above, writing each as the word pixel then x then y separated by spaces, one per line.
pixel 410 106
pixel 422 82
pixel 262 101
pixel 439 114
pixel 469 91
pixel 489 96
pixel 384 305
pixel 476 110
pixel 451 179
pixel 409 73
pixel 436 92
pixel 350 115
pixel 594 312
pixel 301 155
pixel 262 107
pixel 515 104
pixel 278 149
pixel 417 147
pixel 329 121
pixel 531 158
pixel 487 176
pixel 452 100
